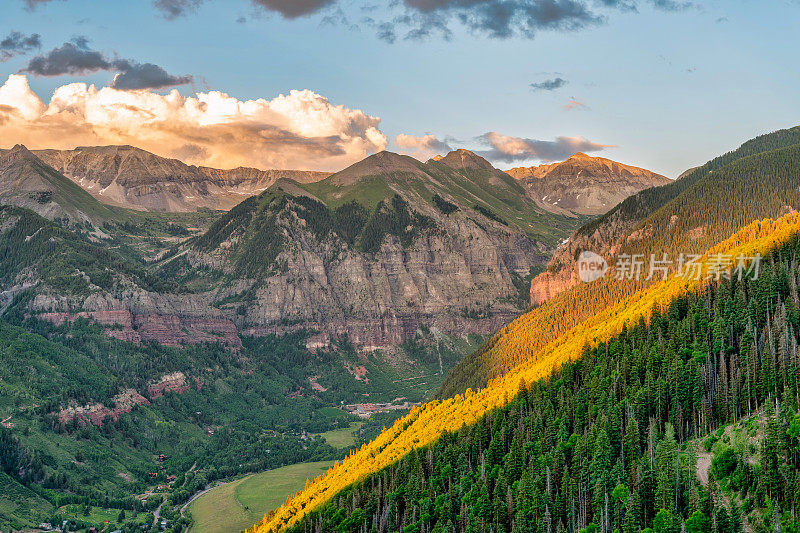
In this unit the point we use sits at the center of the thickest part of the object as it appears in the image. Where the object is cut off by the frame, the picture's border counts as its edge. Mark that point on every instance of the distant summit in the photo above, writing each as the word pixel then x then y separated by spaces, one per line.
pixel 462 159
pixel 26 181
pixel 382 163
pixel 585 184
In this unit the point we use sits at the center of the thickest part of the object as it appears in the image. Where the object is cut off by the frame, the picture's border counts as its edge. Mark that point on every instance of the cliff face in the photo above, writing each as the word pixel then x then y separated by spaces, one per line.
pixel 375 252
pixel 456 276
pixel 584 184
pixel 373 257
pixel 130 177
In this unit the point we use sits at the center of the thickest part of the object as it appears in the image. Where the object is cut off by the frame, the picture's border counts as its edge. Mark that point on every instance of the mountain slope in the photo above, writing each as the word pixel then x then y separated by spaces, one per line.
pixel 131 177
pixel 461 177
pixel 426 425
pixel 718 201
pixel 385 247
pixel 26 181
pixel 55 274
pixel 585 184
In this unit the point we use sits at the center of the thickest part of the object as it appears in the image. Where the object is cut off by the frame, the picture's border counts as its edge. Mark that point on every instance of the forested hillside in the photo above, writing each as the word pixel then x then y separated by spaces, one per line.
pixel 428 424
pixel 610 442
pixel 86 403
pixel 714 201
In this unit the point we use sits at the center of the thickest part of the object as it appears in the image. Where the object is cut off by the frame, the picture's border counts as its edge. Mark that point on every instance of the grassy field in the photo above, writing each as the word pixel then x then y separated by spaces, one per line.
pixel 240 504
pixel 98 515
pixel 342 437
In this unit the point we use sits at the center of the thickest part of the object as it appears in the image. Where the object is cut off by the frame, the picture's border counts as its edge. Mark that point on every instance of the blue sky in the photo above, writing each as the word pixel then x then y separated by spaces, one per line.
pixel 669 88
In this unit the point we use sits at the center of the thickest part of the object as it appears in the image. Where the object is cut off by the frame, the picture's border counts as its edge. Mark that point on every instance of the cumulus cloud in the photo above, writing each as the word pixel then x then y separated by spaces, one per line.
pixel 75 58
pixel 422 147
pixel 301 130
pixel 510 149
pixel 549 85
pixel 17 43
pixel 573 104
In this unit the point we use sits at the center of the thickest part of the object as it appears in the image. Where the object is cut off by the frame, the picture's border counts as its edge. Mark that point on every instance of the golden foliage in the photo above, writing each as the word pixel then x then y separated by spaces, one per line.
pixel 426 423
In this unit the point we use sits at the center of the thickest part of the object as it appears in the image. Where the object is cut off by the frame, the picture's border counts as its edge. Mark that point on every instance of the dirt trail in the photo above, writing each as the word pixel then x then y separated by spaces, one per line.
pixel 703 466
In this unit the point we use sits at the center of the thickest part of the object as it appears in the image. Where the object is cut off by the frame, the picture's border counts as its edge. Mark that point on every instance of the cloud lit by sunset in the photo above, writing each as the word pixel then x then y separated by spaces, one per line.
pixel 301 130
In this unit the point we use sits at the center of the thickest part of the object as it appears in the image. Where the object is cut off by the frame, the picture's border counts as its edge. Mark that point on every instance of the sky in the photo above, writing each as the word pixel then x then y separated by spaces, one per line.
pixel 320 84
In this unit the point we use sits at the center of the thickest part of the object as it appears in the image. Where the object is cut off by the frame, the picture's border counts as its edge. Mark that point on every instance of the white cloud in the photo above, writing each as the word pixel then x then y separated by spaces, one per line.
pixel 302 130
pixel 422 147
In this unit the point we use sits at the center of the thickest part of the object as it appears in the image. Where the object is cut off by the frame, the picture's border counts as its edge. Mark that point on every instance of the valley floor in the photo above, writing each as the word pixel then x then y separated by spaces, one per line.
pixel 238 504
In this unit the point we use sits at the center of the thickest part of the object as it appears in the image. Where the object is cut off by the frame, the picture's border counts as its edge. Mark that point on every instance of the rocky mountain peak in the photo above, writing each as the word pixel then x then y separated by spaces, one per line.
pixel 382 163
pixel 585 184
pixel 18 155
pixel 578 156
pixel 462 158
pixel 131 177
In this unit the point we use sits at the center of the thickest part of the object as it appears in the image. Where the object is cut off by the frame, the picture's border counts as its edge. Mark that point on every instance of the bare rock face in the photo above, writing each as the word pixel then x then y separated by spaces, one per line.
pixel 176 382
pixel 130 177
pixel 601 238
pixel 547 285
pixel 584 184
pixel 95 414
pixel 169 330
pixel 455 277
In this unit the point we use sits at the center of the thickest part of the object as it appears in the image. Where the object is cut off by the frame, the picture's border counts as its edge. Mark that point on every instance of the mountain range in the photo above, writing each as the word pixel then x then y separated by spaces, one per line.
pixel 373 252
pixel 130 177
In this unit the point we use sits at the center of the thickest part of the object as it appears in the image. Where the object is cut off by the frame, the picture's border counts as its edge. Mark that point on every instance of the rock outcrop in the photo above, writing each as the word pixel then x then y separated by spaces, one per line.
pixel 169 330
pixel 95 414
